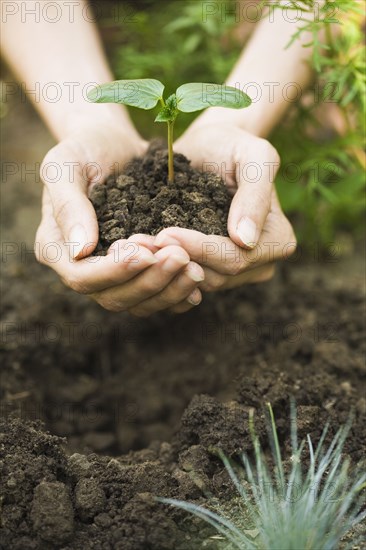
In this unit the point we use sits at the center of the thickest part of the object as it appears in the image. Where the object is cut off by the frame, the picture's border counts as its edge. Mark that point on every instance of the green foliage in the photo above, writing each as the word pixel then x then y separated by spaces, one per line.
pixel 173 41
pixel 327 195
pixel 169 111
pixel 299 509
pixel 323 192
pixel 144 93
pixel 195 97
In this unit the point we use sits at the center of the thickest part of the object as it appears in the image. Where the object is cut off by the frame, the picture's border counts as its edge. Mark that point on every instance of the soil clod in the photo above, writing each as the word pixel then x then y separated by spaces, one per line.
pixel 141 200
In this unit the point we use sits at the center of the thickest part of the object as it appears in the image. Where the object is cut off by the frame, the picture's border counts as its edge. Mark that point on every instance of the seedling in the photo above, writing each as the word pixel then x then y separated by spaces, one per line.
pixel 146 93
pixel 312 509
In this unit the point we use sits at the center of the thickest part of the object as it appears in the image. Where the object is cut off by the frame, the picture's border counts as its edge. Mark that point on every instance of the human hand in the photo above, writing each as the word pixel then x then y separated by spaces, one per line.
pixel 259 232
pixel 134 275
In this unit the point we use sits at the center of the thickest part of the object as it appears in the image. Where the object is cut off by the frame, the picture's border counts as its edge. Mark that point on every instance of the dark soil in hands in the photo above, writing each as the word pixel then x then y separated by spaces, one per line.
pixel 141 403
pixel 140 200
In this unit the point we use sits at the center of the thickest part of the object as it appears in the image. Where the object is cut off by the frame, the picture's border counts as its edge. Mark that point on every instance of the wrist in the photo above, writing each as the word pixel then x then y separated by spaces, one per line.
pixel 251 120
pixel 92 116
pixel 104 134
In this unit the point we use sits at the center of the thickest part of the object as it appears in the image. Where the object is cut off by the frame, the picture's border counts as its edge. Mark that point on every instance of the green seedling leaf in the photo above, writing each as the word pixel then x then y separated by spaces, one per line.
pixel 163 116
pixel 143 93
pixel 169 112
pixel 196 96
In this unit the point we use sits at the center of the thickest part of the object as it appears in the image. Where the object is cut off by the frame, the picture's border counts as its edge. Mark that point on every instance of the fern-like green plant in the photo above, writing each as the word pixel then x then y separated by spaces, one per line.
pixel 329 188
pixel 303 510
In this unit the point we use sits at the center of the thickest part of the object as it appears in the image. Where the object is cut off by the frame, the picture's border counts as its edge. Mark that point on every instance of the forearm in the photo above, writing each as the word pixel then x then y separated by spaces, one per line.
pixel 66 53
pixel 273 76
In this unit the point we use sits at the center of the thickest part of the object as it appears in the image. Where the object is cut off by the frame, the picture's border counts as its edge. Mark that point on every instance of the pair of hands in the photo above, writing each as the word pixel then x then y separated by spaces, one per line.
pixel 145 274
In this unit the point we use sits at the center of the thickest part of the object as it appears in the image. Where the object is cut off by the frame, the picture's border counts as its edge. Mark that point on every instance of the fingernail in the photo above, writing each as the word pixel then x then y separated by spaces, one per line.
pixel 174 262
pixel 162 239
pixel 195 297
pixel 195 273
pixel 149 260
pixel 78 239
pixel 247 232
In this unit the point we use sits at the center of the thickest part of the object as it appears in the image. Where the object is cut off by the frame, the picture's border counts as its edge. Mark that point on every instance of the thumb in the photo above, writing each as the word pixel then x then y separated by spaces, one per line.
pixel 77 220
pixel 72 210
pixel 251 203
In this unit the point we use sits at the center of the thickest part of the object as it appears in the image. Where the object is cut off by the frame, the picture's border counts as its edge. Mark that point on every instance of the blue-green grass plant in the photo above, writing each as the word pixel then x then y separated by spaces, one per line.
pixel 305 508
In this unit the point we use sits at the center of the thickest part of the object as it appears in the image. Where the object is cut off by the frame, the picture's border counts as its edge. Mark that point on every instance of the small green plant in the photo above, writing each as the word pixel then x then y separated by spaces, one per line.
pixel 146 93
pixel 294 510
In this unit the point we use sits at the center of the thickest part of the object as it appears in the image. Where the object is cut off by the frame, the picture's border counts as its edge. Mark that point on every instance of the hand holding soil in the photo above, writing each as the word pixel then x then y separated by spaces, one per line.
pixel 197 209
pixel 145 273
pixel 94 138
pixel 133 270
pixel 161 190
pixel 259 231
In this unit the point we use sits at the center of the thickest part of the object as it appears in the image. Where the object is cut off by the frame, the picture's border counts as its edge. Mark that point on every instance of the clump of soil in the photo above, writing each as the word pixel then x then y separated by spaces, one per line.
pixel 140 200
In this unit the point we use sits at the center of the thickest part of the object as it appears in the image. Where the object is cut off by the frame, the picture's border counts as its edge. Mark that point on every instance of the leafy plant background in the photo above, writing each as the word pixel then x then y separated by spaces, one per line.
pixel 321 182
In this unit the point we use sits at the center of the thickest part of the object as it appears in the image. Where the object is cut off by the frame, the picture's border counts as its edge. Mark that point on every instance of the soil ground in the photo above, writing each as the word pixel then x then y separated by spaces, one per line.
pixel 101 412
pixel 169 388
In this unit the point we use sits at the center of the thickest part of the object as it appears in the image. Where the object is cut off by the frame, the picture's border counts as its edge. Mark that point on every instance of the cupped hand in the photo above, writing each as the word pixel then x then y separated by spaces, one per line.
pixel 135 275
pixel 259 232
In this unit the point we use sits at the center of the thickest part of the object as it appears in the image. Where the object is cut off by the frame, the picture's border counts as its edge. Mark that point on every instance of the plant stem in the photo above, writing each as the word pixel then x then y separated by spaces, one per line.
pixel 170 152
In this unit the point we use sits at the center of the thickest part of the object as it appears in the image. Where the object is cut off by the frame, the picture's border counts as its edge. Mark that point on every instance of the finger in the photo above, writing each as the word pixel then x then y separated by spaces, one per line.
pixel 72 209
pixel 251 203
pixel 278 237
pixel 181 288
pixel 171 260
pixel 122 263
pixel 148 241
pixel 97 273
pixel 218 253
pixel 257 275
pixel 222 255
pixel 192 301
pixel 213 280
pixel 125 259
